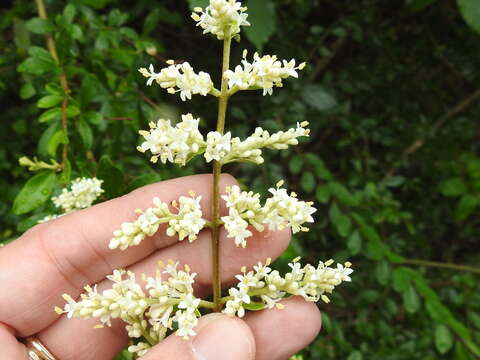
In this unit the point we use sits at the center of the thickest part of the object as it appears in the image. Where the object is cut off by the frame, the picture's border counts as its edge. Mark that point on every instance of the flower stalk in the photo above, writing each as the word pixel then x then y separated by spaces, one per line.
pixel 217 170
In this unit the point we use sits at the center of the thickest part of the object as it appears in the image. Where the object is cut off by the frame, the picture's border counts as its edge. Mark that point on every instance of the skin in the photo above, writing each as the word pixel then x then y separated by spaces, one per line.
pixel 63 255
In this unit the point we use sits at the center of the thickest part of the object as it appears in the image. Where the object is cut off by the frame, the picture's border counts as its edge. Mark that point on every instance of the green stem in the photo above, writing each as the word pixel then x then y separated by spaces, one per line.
pixel 42 13
pixel 217 169
pixel 441 265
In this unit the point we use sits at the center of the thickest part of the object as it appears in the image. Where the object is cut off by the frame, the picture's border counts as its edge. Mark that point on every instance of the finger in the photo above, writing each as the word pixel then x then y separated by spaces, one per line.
pixel 218 337
pixel 10 347
pixel 281 333
pixel 63 255
pixel 198 255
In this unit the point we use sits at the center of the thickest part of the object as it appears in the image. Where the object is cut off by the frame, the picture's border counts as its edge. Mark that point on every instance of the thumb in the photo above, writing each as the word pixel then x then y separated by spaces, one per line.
pixel 219 337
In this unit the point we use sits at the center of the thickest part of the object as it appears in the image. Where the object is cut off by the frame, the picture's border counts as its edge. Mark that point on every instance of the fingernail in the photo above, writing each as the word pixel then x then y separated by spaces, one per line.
pixel 223 338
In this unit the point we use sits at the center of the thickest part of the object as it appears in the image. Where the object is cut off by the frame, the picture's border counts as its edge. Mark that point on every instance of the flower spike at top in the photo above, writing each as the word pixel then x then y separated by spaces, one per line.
pixel 82 194
pixel 180 78
pixel 221 17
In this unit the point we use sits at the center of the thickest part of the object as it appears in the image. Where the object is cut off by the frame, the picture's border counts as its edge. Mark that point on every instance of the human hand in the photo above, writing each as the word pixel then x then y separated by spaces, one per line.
pixel 63 255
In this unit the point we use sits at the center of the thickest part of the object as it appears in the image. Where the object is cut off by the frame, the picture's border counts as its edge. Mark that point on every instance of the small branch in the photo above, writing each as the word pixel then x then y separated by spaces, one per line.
pixel 42 12
pixel 148 100
pixel 418 143
pixel 441 265
pixel 323 63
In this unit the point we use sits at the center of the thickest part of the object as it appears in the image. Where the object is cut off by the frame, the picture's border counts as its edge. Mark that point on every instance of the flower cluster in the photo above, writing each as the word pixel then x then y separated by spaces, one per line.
pixel 187 222
pixel 264 288
pixel 176 144
pixel 263 73
pixel 83 192
pixel 81 195
pixel 180 143
pixel 221 18
pixel 148 312
pixel 180 78
pixel 250 149
pixel 280 210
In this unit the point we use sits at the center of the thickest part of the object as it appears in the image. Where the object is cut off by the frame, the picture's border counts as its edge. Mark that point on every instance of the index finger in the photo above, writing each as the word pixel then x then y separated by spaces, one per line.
pixel 64 255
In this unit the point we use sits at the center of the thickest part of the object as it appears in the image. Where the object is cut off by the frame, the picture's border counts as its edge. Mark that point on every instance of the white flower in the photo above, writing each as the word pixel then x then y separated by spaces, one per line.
pixel 180 78
pixel 188 222
pixel 236 228
pixel 174 144
pixel 294 212
pixel 82 193
pixel 263 73
pixel 189 303
pixel 248 280
pixel 186 322
pixel 140 349
pixel 218 145
pixel 250 148
pixel 221 18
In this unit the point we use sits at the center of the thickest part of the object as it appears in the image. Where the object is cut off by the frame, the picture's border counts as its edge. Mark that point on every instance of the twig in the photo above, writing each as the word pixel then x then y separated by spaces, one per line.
pixel 325 61
pixel 148 100
pixel 42 12
pixel 441 265
pixel 418 143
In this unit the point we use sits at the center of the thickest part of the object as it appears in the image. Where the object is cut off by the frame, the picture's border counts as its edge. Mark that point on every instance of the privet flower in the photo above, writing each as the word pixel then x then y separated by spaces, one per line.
pixel 218 145
pixel 187 222
pixel 250 149
pixel 148 312
pixel 280 210
pixel 221 18
pixel 80 195
pixel 264 288
pixel 263 73
pixel 180 78
pixel 174 144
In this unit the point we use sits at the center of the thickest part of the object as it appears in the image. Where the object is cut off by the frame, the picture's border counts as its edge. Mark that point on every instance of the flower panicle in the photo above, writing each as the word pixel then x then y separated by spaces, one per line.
pixel 265 287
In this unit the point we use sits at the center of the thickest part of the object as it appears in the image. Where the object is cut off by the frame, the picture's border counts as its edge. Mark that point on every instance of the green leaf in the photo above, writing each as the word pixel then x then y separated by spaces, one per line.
pixel 323 193
pixel 453 187
pixel 471 13
pixel 334 214
pixel 355 355
pixel 96 4
pixel 42 147
pixel 401 279
pixel 34 193
pixel 308 182
pixel 66 173
pixel 342 194
pixel 198 3
pixel 72 111
pixel 443 339
pixel 317 97
pixel 344 225
pixel 111 175
pixel 394 181
pixel 39 26
pixel 466 206
pixel 254 306
pixel 58 138
pixel 49 115
pixel 319 166
pixel 295 164
pixel 261 15
pixel 411 300
pixel 86 134
pixel 94 118
pixel 417 5
pixel 69 13
pixel 27 91
pixel 383 272
pixel 36 66
pixel 354 242
pixel 49 101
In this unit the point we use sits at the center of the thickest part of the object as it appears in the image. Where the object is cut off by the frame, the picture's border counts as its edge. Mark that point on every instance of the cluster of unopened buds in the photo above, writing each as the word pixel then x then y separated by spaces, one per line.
pixel 167 302
pixel 81 194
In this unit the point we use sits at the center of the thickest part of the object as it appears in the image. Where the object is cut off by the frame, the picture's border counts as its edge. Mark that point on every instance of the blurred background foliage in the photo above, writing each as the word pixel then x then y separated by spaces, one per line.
pixel 393 163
